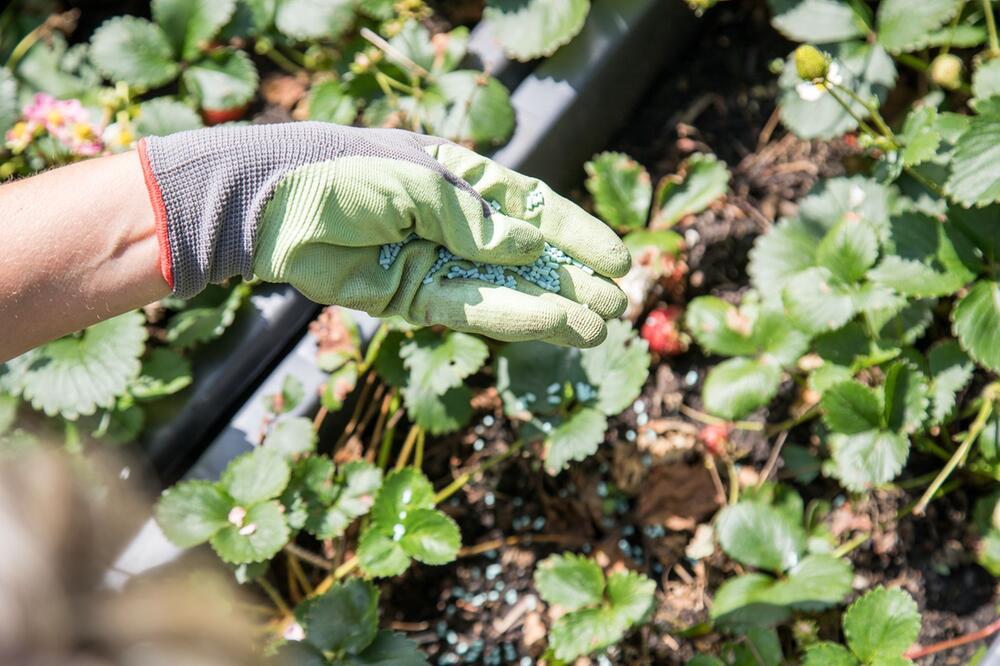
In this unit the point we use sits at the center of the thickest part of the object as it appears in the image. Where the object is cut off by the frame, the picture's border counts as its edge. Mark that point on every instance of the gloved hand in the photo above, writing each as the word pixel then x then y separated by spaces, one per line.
pixel 356 217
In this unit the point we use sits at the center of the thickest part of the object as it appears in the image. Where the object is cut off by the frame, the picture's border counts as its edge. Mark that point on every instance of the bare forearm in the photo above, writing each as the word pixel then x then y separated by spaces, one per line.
pixel 78 246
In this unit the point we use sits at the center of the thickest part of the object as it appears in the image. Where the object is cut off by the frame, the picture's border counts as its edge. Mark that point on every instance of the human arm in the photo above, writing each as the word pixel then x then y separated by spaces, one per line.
pixel 78 246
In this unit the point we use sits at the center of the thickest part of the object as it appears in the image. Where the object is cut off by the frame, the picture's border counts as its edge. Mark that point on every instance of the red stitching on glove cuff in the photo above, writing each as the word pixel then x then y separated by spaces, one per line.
pixel 159 213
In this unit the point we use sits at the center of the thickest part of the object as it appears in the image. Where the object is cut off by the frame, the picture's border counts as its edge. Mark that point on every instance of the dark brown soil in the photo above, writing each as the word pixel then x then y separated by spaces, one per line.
pixel 637 503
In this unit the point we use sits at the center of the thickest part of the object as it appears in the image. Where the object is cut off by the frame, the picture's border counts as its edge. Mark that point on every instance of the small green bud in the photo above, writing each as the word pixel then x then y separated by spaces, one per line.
pixel 811 63
pixel 946 71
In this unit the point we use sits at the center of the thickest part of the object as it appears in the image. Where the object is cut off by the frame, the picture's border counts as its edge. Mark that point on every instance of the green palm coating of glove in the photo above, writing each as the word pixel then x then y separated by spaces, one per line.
pixel 324 226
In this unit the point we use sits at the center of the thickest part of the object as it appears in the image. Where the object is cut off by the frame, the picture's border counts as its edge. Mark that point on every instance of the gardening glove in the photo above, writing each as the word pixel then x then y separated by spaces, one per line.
pixel 385 221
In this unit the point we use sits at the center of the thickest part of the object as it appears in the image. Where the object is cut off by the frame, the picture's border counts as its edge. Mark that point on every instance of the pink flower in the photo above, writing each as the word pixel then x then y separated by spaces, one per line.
pixel 65 119
pixel 39 108
pixel 20 135
pixel 82 138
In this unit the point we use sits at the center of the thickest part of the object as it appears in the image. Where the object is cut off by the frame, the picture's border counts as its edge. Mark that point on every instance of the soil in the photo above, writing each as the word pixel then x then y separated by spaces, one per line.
pixel 639 501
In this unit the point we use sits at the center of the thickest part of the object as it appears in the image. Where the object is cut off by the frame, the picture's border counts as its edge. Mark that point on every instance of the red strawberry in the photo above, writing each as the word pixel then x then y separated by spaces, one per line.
pixel 219 116
pixel 715 437
pixel 662 330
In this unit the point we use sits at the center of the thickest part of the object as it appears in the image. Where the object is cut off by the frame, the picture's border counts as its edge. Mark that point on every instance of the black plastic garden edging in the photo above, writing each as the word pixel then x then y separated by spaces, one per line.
pixel 564 115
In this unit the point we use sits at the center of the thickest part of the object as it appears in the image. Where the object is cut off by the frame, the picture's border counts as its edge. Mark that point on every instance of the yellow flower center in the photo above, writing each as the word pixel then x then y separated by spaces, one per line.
pixel 83 131
pixel 54 117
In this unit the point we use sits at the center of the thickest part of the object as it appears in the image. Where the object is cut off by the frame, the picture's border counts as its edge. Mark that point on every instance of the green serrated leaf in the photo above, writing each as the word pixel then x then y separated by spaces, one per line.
pixel 781 255
pixel 206 316
pixel 849 249
pixel 828 654
pixel 134 50
pixel 924 257
pixel 584 632
pixel 163 116
pixel 45 67
pixel 986 80
pixel 261 535
pixel 292 437
pixel 706 178
pixel 190 512
pixel 338 386
pixel 256 476
pixel 440 55
pixel 388 649
pixel 440 414
pixel 525 376
pixel 471 107
pixel 164 373
pixel 570 581
pixel 381 556
pixel 920 136
pixel 530 29
pixel 975 169
pixel 438 363
pixel 864 68
pixel 76 374
pixel 906 397
pixel 904 327
pixel 191 24
pixel 903 25
pixel 817 301
pixel 621 189
pixel 575 438
pixel 851 408
pixel 389 362
pixel 618 367
pixel 737 603
pixel 869 458
pixel 975 320
pixel 359 484
pixel 314 19
pixel 815 21
pixel 738 386
pixel 836 199
pixel 344 619
pixel 331 103
pixel 760 536
pixel 881 624
pixel 430 536
pixel 721 328
pixel 630 596
pixel 402 491
pixel 951 371
pixel 758 646
pixel 300 653
pixel 223 79
pixel 817 582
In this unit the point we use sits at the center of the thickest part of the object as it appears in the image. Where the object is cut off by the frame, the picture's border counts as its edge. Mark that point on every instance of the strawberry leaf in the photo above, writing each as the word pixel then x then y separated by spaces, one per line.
pixel 975 321
pixel 738 386
pixel 738 603
pixel 630 596
pixel 817 582
pixel 869 458
pixel 951 371
pixel 164 372
pixel 133 50
pixel 292 437
pixel 760 536
pixel 849 249
pixel 621 189
pixel 817 301
pixel 77 374
pixel 224 79
pixel 924 257
pixel 575 438
pixel 721 328
pixel 206 316
pixel 388 649
pixel 530 29
pixel 705 179
pixel 344 619
pixel 975 167
pixel 570 581
pixel 815 21
pixel 618 367
pixel 262 534
pixel 190 512
pixel 903 26
pixel 438 363
pixel 881 625
pixel 380 555
pixel 191 24
pixel 314 19
pixel 430 536
pixel 402 491
pixel 825 653
pixel 255 477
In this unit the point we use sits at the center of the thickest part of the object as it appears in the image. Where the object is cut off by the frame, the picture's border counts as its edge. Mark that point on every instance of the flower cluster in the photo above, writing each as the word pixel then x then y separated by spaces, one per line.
pixel 70 124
